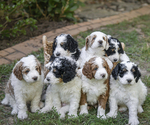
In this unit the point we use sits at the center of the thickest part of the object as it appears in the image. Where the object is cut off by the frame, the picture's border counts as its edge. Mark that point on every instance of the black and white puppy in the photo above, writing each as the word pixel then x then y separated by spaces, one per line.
pixel 65 86
pixel 65 45
pixel 127 91
pixel 116 52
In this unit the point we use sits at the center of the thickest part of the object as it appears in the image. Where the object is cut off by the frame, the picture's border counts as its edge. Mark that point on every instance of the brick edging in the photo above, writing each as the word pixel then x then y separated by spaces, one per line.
pixel 34 44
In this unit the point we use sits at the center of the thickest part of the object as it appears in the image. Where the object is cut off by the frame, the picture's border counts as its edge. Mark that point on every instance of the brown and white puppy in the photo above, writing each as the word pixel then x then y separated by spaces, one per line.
pixel 95 45
pixel 95 85
pixel 25 84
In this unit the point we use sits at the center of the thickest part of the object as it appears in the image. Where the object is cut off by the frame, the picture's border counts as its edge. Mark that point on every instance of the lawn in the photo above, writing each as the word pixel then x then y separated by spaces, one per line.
pixel 136 36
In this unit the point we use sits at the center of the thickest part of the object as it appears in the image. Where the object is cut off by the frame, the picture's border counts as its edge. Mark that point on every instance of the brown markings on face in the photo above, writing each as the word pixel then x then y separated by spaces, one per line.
pixel 106 39
pixel 89 41
pixel 102 100
pixel 83 99
pixel 25 70
pixel 18 70
pixel 90 68
pixel 114 65
pixel 38 66
pixel 60 80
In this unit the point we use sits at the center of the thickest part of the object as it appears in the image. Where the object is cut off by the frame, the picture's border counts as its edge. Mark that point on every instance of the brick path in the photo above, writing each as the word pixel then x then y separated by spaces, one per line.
pixel 35 44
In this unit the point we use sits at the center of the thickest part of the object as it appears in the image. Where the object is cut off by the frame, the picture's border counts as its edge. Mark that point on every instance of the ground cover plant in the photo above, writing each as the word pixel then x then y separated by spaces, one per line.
pixel 136 36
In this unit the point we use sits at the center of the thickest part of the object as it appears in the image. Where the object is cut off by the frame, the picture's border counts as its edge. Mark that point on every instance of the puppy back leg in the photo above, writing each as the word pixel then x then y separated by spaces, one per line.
pixel 83 104
pixel 102 100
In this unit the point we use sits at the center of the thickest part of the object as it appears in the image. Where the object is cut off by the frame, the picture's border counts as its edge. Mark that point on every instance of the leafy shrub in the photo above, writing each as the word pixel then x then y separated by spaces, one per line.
pixel 16 15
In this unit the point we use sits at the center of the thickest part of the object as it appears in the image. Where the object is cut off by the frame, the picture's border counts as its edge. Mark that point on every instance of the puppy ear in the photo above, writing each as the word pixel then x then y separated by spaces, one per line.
pixel 138 75
pixel 69 71
pixel 73 45
pixel 116 71
pixel 87 70
pixel 39 66
pixel 107 44
pixel 106 65
pixel 123 45
pixel 54 44
pixel 87 42
pixel 18 70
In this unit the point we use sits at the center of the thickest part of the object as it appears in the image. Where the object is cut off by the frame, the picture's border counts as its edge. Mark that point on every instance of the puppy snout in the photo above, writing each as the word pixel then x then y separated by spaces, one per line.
pixel 48 79
pixel 103 75
pixel 57 54
pixel 100 41
pixel 115 60
pixel 35 78
pixel 129 80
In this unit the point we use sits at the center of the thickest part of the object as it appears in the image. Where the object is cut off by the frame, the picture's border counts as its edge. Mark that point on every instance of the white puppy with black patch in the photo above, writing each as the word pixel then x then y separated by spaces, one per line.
pixel 127 91
pixel 95 45
pixel 25 84
pixel 65 87
pixel 116 52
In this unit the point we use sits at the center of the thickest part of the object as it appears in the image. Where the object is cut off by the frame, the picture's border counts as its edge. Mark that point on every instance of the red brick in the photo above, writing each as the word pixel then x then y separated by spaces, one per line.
pixel 95 21
pixel 71 27
pixel 97 25
pixel 3 53
pixel 73 32
pixel 3 61
pixel 84 28
pixel 10 50
pixel 15 56
pixel 84 24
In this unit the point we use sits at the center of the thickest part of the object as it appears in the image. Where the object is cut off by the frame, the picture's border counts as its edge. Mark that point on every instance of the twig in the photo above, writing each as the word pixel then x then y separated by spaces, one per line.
pixel 40 9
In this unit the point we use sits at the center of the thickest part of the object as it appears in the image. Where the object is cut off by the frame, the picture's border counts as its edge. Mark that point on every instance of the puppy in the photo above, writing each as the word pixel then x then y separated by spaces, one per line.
pixel 95 85
pixel 65 45
pixel 25 84
pixel 95 45
pixel 65 87
pixel 127 90
pixel 116 52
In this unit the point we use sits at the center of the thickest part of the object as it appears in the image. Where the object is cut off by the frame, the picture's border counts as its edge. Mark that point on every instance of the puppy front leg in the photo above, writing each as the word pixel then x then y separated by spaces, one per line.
pixel 133 118
pixel 35 102
pixel 22 107
pixel 83 104
pixel 56 101
pixel 102 100
pixel 113 107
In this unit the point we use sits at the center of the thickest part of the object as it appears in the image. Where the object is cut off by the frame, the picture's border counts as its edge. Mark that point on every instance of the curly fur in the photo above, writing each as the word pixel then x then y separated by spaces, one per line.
pixel 25 84
pixel 127 91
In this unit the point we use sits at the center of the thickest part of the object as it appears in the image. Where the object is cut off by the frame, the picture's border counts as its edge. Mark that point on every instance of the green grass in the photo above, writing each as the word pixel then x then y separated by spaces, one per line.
pixel 136 36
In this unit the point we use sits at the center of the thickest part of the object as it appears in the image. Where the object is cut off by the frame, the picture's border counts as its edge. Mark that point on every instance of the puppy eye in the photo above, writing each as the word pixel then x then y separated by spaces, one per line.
pixel 50 69
pixel 124 70
pixel 94 38
pixel 95 68
pixel 26 71
pixel 105 67
pixel 37 68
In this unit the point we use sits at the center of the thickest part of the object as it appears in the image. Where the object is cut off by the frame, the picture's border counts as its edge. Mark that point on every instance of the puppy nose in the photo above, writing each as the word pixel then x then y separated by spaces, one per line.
pixel 103 75
pixel 115 60
pixel 57 54
pixel 48 79
pixel 100 41
pixel 129 80
pixel 35 78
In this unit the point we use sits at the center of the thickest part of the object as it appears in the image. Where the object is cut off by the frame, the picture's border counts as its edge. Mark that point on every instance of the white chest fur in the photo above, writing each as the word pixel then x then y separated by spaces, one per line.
pixel 93 89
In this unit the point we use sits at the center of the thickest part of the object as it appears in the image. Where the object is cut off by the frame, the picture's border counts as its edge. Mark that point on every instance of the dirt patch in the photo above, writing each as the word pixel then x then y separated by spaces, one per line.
pixel 43 26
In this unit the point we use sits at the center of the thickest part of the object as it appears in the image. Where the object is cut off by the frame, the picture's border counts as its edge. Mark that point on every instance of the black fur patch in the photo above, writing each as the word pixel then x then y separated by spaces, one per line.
pixel 110 50
pixel 136 73
pixel 65 69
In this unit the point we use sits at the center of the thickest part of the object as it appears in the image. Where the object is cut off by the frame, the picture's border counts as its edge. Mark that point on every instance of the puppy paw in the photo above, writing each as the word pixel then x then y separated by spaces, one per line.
pixel 5 101
pixel 14 112
pixel 101 117
pixel 72 115
pixel 133 121
pixel 62 116
pixel 45 109
pixel 140 109
pixel 22 115
pixel 83 112
pixel 35 109
pixel 122 109
pixel 111 115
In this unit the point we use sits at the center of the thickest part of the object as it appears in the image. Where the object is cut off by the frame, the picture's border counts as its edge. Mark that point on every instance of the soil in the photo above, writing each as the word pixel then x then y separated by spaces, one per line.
pixel 42 27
